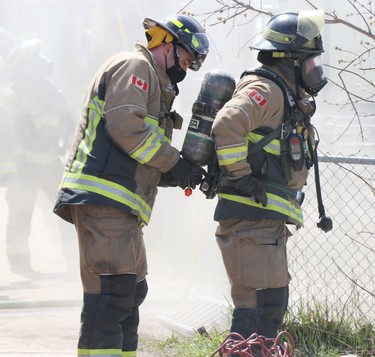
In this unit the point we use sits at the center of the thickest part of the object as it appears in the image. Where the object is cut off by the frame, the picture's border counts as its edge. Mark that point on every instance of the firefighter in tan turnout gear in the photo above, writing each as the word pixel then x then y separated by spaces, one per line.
pixel 36 114
pixel 120 153
pixel 262 138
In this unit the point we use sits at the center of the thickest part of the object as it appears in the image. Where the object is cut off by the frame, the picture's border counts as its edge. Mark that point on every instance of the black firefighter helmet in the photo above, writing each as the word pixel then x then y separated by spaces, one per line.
pixel 296 36
pixel 187 33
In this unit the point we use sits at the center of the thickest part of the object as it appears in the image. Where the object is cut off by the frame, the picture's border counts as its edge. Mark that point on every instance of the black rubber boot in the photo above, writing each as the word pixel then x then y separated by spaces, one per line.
pixel 102 313
pixel 130 324
pixel 272 305
pixel 245 322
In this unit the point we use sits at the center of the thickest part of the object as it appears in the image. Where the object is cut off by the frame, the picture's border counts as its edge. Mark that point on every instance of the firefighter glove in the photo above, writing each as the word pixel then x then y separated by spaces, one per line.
pixel 167 180
pixel 251 186
pixel 187 174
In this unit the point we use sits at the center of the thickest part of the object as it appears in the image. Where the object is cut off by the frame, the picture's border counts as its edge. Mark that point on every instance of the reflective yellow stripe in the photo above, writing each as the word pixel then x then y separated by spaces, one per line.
pixel 275 203
pixel 113 352
pixel 147 150
pixel 110 352
pixel 176 22
pixel 108 189
pixel 273 147
pixel 231 155
pixel 277 36
pixel 129 354
pixel 149 147
pixel 153 124
pixel 7 167
pixel 179 24
pixel 85 146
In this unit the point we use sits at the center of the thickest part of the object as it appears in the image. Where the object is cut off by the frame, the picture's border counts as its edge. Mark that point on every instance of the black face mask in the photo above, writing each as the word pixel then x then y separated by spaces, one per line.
pixel 175 73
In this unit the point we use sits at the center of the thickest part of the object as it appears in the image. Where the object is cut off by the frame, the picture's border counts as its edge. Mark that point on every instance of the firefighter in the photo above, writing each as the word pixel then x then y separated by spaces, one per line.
pixel 261 139
pixel 121 150
pixel 7 164
pixel 38 112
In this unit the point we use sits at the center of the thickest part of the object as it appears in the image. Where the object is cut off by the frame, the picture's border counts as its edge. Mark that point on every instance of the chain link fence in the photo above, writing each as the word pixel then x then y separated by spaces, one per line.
pixel 333 271
pixel 336 269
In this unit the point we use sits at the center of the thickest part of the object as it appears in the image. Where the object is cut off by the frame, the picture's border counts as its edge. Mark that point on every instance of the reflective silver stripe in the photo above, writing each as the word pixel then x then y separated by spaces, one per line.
pixel 231 155
pixel 85 145
pixel 108 189
pixel 148 148
pixel 145 151
pixel 275 203
pixel 272 147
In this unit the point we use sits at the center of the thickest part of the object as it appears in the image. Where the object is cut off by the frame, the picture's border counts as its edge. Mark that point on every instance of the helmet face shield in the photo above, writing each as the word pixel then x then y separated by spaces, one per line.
pixel 293 33
pixel 196 44
pixel 310 23
pixel 313 79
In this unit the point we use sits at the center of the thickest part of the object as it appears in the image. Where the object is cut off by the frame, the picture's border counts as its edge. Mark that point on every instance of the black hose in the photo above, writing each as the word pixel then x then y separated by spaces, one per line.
pixel 325 223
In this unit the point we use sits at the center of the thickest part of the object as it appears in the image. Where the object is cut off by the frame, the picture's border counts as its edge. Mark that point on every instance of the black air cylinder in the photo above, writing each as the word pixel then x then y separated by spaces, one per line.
pixel 217 88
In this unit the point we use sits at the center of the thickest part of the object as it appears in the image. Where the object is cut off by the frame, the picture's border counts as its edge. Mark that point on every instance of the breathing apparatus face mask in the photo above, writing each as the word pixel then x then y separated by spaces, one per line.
pixel 312 77
pixel 175 73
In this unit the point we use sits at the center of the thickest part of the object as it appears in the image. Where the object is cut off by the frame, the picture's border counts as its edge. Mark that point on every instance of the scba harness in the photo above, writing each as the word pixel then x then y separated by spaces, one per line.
pixel 292 133
pixel 296 148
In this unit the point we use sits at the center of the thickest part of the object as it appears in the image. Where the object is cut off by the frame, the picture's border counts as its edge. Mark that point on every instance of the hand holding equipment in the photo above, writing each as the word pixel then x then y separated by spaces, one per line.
pixel 187 174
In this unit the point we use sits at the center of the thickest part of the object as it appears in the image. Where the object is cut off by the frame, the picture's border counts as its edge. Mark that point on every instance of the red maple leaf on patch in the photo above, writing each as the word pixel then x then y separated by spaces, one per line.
pixel 139 83
pixel 258 98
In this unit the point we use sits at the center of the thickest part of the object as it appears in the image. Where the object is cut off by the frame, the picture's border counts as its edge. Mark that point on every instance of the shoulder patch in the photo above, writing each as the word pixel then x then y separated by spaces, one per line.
pixel 139 83
pixel 258 98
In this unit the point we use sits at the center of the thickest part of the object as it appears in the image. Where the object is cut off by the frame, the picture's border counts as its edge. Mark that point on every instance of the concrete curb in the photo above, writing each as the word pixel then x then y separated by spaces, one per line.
pixel 21 304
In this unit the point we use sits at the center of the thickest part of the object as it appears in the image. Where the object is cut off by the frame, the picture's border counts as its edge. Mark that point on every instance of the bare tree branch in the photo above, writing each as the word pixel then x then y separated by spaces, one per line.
pixel 353 281
pixel 230 11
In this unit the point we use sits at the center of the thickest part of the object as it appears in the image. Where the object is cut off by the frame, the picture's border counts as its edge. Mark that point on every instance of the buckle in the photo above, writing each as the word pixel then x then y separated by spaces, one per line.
pixel 284 132
pixel 300 196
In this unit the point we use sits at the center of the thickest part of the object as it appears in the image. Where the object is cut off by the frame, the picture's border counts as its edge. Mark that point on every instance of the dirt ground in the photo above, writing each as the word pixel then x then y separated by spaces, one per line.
pixel 42 319
pixel 39 315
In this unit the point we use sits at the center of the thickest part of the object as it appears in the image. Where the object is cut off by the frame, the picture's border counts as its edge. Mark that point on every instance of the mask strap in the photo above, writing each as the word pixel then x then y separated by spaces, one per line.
pixel 176 55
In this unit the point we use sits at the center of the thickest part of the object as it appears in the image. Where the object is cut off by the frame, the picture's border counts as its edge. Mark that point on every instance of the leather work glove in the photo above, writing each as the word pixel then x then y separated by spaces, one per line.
pixel 251 186
pixel 187 174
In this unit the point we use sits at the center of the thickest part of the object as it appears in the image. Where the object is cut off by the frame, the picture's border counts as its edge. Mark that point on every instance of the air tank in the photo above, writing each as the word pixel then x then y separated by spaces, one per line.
pixel 216 89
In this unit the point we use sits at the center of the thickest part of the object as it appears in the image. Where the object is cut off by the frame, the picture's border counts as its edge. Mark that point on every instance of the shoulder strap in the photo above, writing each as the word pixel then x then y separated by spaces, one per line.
pixel 290 118
pixel 266 140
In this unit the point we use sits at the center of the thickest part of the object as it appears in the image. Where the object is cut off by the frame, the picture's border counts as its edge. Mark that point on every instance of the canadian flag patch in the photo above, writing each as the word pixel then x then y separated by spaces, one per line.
pixel 139 83
pixel 259 99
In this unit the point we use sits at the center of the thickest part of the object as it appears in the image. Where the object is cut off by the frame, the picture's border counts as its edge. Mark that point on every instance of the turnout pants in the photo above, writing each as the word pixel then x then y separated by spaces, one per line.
pixel 255 258
pixel 113 268
pixel 22 197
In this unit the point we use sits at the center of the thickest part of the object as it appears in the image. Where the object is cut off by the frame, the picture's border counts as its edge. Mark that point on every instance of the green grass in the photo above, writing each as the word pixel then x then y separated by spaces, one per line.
pixel 316 332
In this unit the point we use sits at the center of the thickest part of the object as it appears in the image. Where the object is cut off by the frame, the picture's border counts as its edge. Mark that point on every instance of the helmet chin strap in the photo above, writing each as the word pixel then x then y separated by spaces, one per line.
pixel 297 77
pixel 165 61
